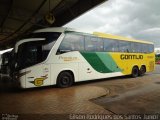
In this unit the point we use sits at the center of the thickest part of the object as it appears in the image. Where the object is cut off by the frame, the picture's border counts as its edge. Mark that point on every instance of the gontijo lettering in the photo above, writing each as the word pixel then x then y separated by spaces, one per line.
pixel 124 57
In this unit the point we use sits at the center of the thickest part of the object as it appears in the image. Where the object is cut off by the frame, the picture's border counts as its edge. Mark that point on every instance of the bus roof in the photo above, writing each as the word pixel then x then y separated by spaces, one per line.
pixel 98 34
pixel 104 35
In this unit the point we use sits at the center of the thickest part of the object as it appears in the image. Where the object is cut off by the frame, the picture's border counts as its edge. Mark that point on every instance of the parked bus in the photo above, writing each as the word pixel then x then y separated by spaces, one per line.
pixel 62 56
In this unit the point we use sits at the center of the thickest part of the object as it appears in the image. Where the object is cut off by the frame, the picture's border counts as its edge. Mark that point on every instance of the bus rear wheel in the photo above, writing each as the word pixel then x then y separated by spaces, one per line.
pixel 135 72
pixel 142 70
pixel 65 79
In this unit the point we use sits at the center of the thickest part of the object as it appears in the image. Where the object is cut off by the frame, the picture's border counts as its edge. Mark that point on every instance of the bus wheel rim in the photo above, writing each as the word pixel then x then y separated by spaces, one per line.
pixel 65 80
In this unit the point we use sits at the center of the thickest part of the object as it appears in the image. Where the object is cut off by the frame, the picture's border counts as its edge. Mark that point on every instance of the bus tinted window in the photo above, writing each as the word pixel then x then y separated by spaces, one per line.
pixel 111 45
pixel 124 46
pixel 33 52
pixel 144 48
pixel 46 48
pixel 133 47
pixel 93 44
pixel 72 42
pixel 100 45
pixel 29 53
pixel 141 47
pixel 151 48
pixel 137 47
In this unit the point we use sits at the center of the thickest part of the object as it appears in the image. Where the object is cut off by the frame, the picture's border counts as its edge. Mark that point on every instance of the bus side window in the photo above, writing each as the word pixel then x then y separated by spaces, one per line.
pixel 150 48
pixel 138 48
pixel 133 49
pixel 72 42
pixel 144 48
pixel 88 45
pixel 31 52
pixel 100 45
pixel 93 44
pixel 111 45
pixel 124 46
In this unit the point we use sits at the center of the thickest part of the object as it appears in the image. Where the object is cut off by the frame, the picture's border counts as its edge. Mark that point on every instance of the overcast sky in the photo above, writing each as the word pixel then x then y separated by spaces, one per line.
pixel 139 19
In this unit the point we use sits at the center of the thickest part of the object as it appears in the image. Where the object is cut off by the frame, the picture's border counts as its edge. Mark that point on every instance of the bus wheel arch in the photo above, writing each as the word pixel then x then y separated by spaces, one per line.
pixel 142 70
pixel 135 71
pixel 65 79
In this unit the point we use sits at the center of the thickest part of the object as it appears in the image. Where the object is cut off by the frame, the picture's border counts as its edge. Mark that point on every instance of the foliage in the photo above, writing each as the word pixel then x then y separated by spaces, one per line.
pixel 157 59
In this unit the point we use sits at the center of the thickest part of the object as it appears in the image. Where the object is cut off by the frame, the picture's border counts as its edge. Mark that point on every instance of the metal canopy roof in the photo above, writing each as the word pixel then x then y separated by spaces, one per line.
pixel 19 17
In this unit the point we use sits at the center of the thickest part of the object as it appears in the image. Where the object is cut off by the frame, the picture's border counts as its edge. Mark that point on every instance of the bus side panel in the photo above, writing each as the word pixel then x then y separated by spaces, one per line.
pixel 81 68
pixel 150 58
pixel 87 72
pixel 97 65
pixel 126 61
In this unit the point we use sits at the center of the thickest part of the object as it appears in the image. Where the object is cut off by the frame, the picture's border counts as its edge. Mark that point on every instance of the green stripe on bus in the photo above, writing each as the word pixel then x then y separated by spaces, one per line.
pixel 101 62
pixel 108 61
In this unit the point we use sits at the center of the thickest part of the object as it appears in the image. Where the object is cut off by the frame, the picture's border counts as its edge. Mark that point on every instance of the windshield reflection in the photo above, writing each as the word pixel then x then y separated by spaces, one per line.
pixel 33 52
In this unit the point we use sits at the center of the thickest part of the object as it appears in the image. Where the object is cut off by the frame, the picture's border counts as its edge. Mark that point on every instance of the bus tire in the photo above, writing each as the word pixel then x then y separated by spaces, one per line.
pixel 135 72
pixel 142 70
pixel 65 79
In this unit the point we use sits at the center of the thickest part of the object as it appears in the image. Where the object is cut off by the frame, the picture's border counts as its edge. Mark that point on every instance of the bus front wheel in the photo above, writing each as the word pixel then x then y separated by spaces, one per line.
pixel 65 79
pixel 135 71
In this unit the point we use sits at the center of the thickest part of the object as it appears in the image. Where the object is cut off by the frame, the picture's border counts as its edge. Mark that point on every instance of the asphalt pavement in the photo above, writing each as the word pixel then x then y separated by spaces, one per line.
pixel 120 95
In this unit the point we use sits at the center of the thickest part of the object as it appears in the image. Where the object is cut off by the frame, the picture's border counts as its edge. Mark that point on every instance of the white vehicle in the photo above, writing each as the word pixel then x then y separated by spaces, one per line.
pixel 62 56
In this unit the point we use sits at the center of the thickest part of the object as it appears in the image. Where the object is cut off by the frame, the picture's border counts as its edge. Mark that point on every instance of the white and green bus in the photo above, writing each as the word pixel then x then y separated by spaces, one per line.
pixel 63 56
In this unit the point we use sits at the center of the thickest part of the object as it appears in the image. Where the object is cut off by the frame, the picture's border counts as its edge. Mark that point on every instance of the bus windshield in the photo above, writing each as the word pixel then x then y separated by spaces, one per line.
pixel 33 52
